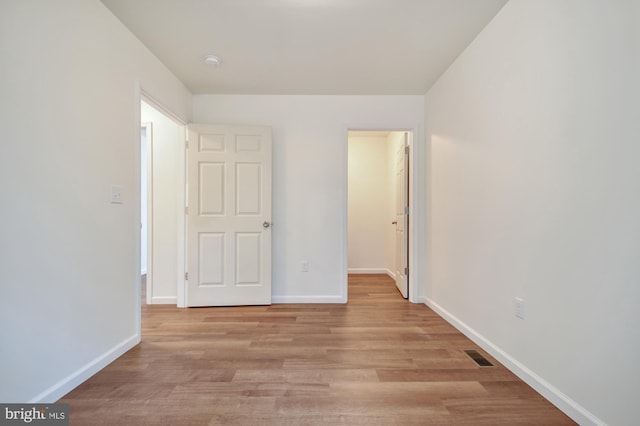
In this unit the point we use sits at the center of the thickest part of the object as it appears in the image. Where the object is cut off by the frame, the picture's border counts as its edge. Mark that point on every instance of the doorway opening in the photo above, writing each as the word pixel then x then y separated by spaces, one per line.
pixel 162 200
pixel 378 204
pixel 146 218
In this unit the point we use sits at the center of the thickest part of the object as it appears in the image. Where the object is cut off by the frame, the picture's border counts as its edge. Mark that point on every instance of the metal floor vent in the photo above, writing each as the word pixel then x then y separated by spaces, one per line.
pixel 478 358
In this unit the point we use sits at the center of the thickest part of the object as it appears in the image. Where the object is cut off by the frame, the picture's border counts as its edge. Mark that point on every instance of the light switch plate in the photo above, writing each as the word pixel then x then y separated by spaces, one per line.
pixel 116 194
pixel 519 302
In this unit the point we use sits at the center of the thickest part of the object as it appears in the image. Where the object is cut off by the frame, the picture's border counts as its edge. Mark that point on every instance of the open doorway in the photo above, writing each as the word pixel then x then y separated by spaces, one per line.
pixel 146 247
pixel 162 201
pixel 378 205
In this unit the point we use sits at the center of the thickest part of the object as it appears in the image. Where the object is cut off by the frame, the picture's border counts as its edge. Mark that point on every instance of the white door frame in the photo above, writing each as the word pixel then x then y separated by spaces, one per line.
pixel 416 211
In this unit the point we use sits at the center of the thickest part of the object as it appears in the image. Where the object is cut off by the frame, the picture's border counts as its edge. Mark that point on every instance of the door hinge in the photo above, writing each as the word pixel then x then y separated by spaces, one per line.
pixel 406 272
pixel 406 150
pixel 186 210
pixel 186 276
pixel 406 210
pixel 186 144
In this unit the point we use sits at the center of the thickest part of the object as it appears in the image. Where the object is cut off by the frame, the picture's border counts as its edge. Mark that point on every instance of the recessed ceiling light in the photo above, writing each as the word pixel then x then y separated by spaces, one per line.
pixel 212 60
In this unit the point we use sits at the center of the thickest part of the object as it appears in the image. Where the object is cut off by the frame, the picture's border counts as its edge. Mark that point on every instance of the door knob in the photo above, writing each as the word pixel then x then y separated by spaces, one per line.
pixel 394 223
pixel 266 224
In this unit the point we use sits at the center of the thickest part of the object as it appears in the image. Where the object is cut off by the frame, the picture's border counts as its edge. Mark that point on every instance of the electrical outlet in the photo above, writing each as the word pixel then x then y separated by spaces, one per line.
pixel 304 266
pixel 519 307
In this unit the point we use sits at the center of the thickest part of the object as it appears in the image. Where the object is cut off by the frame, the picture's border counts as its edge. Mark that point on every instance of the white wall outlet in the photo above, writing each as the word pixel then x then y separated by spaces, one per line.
pixel 519 307
pixel 116 194
pixel 304 266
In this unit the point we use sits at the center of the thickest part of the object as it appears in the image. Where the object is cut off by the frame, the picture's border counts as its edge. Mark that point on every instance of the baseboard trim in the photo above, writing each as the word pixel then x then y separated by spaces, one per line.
pixel 164 300
pixel 382 271
pixel 308 299
pixel 568 406
pixel 66 385
pixel 356 271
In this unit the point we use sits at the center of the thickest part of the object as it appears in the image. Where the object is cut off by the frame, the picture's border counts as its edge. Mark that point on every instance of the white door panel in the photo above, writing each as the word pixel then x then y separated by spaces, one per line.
pixel 402 165
pixel 229 215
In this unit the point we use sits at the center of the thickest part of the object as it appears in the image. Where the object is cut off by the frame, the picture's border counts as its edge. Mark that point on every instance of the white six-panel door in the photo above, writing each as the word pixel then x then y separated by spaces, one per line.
pixel 402 163
pixel 228 215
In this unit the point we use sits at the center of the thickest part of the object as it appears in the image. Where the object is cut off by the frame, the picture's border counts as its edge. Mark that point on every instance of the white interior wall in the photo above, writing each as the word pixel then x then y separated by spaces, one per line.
pixel 167 196
pixel 368 204
pixel 310 177
pixel 69 270
pixel 534 187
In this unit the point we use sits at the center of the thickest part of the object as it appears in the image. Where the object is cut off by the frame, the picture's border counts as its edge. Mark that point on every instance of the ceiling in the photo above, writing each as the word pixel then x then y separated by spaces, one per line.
pixel 309 47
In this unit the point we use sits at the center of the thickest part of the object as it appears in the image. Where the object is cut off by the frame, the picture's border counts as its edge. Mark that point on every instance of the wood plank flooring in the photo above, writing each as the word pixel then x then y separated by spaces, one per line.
pixel 379 360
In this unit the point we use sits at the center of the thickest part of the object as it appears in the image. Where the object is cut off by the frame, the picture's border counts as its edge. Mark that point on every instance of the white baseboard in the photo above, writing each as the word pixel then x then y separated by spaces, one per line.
pixel 66 385
pixel 164 300
pixel 571 408
pixel 308 299
pixel 382 271
pixel 367 270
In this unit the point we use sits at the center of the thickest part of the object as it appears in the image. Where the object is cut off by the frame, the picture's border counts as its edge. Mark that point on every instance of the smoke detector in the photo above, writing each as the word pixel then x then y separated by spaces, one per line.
pixel 212 60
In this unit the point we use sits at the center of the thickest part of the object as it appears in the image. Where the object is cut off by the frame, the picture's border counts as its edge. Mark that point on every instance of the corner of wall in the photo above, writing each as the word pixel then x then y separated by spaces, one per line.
pixel 67 384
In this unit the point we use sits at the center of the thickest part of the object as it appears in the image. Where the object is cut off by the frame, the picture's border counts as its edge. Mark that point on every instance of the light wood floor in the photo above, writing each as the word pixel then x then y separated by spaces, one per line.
pixel 379 360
